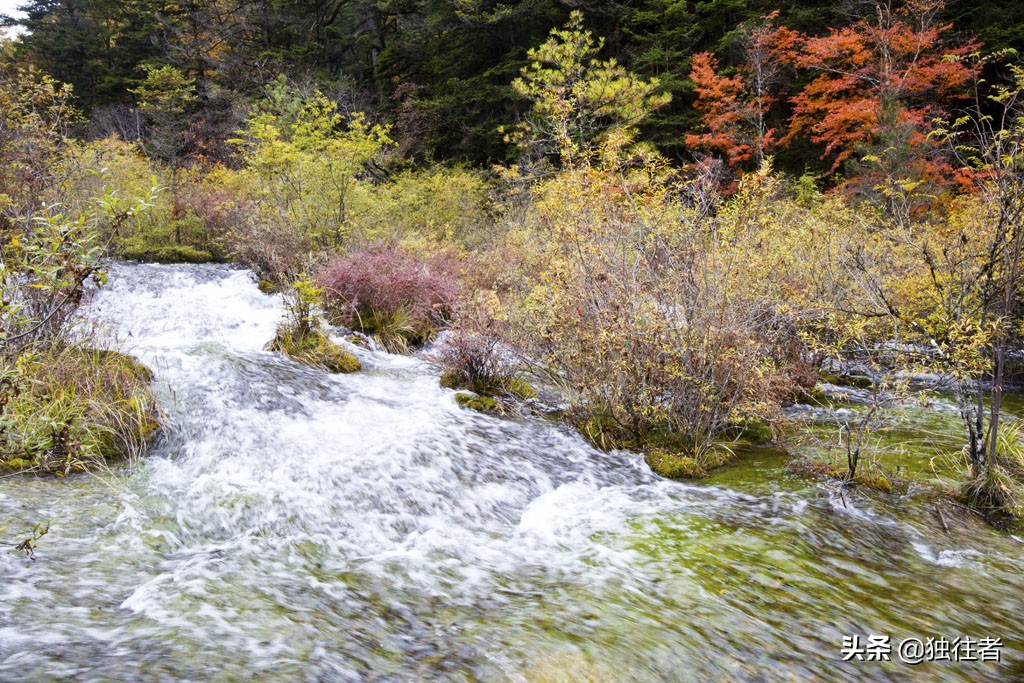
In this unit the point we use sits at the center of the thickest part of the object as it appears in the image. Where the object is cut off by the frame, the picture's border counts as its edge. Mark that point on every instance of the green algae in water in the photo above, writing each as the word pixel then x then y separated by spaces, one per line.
pixel 919 442
pixel 757 469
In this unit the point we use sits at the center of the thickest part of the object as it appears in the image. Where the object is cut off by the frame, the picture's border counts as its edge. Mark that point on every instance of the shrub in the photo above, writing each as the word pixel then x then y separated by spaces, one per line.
pixel 62 408
pixel 306 163
pixel 648 315
pixel 399 297
pixel 210 198
pixel 195 217
pixel 273 251
pixel 995 494
pixel 442 205
pixel 476 362
pixel 300 337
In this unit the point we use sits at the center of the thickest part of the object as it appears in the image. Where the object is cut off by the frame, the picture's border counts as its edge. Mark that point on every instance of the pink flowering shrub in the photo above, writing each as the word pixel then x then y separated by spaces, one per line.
pixel 401 297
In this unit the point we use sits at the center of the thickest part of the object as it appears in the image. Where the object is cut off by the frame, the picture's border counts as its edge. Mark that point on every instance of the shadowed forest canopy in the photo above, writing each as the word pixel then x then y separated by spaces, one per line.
pixel 438 70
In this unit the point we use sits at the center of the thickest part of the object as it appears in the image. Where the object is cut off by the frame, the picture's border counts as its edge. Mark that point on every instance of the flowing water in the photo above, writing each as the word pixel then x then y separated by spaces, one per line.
pixel 291 525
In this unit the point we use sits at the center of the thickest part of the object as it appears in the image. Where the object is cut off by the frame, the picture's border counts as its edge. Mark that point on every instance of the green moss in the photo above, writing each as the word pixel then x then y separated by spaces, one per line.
pixel 267 287
pixel 314 349
pixel 673 466
pixel 873 479
pixel 482 404
pixel 451 380
pixel 337 359
pixel 716 456
pixel 520 389
pixel 753 430
pixel 169 254
pixel 510 388
pixel 17 464
pixel 847 380
pixel 814 394
pixel 867 476
pixel 359 341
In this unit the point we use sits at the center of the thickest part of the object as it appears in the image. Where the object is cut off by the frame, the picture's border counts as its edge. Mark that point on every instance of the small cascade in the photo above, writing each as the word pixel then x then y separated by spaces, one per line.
pixel 293 525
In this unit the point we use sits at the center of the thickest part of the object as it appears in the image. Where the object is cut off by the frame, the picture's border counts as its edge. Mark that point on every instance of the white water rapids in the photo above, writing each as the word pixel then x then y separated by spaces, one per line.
pixel 292 525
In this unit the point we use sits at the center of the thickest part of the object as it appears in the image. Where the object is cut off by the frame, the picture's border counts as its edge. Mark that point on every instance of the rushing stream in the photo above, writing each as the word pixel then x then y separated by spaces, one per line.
pixel 292 525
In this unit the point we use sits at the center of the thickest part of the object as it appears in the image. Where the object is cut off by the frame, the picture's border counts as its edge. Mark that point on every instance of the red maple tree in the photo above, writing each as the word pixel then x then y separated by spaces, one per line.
pixel 734 108
pixel 878 83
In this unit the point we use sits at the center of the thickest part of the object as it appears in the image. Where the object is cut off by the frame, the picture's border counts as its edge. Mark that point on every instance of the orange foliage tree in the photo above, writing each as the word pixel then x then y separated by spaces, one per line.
pixel 734 107
pixel 877 85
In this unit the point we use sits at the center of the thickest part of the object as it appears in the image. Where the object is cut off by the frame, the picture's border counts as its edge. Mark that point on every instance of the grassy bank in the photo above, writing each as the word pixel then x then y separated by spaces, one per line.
pixel 74 409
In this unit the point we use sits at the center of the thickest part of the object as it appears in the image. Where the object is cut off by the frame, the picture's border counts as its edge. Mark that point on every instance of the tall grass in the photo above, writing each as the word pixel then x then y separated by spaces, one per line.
pixel 72 409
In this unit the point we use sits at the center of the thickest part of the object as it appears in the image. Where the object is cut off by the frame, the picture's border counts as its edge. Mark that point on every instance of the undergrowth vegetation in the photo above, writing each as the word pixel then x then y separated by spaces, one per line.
pixel 73 409
pixel 301 336
pixel 672 309
pixel 67 402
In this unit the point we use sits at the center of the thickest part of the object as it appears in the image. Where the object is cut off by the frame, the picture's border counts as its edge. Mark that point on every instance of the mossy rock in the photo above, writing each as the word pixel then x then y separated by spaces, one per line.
pixel 315 349
pixel 450 380
pixel 673 466
pixel 873 479
pixel 716 457
pixel 520 389
pixel 124 362
pixel 169 254
pixel 513 388
pixel 482 404
pixel 267 287
pixel 815 394
pixel 17 464
pixel 815 468
pixel 357 340
pixel 76 408
pixel 856 381
pixel 337 359
pixel 869 478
